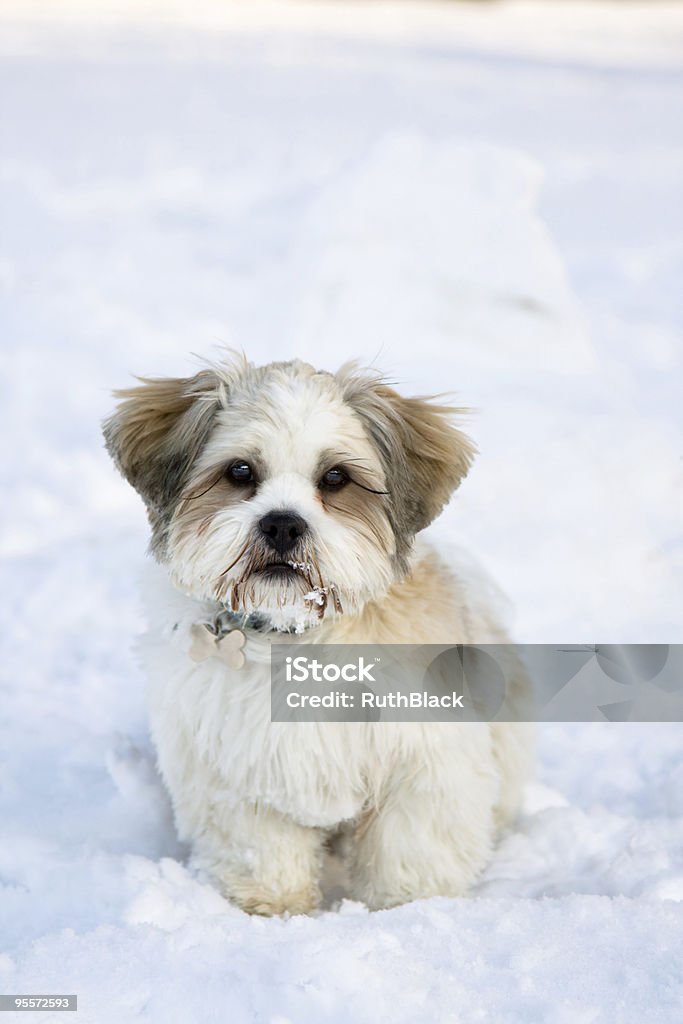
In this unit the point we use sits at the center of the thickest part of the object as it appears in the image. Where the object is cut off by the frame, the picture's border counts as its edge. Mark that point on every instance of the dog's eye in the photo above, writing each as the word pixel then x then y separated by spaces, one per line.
pixel 333 479
pixel 240 472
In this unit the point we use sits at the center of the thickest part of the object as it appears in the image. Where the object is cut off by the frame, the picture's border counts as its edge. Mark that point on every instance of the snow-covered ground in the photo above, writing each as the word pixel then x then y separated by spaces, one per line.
pixel 484 198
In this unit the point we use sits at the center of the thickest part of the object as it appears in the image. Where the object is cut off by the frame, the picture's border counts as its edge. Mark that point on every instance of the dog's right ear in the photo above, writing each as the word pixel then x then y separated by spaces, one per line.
pixel 158 430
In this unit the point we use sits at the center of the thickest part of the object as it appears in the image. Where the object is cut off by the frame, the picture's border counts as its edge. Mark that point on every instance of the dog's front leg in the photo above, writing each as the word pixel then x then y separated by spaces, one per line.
pixel 262 860
pixel 432 831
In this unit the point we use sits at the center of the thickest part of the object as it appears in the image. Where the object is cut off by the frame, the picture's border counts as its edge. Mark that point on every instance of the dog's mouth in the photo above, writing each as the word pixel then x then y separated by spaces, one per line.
pixel 279 571
pixel 304 576
pixel 284 573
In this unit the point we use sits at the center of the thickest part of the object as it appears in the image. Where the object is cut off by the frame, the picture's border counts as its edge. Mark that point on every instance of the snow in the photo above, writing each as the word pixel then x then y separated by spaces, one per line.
pixel 477 197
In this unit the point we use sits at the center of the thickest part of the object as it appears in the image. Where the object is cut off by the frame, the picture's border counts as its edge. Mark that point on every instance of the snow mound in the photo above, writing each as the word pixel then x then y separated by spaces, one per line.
pixel 433 245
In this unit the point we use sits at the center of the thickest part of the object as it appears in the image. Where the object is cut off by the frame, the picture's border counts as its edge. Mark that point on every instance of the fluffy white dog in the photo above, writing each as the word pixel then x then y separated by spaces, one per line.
pixel 285 502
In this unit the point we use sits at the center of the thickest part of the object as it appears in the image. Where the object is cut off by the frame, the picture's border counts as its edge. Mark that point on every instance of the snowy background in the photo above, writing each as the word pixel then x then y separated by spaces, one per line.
pixel 485 198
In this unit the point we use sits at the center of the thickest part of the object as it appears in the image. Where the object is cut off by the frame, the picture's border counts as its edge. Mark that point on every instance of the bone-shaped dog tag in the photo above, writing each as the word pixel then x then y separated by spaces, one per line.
pixel 228 647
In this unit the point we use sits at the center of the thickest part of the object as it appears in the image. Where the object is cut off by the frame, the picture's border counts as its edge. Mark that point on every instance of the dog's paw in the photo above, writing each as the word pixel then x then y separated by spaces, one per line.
pixel 255 899
pixel 256 895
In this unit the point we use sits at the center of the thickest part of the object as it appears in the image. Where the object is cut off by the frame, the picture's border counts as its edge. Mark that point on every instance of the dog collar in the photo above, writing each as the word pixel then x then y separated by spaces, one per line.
pixel 224 635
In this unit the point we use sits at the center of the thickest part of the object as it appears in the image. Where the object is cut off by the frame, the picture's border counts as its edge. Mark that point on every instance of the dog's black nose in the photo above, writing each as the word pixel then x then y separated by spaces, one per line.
pixel 282 530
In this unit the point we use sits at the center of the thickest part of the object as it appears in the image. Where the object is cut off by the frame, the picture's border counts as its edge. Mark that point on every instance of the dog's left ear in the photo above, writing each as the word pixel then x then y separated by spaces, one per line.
pixel 158 430
pixel 425 456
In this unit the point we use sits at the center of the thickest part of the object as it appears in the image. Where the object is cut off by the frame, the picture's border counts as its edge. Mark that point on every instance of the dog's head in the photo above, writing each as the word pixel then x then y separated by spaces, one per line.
pixel 282 488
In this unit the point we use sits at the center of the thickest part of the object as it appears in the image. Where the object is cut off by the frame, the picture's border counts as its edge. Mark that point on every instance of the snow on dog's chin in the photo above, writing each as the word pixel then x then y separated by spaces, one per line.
pixel 288 615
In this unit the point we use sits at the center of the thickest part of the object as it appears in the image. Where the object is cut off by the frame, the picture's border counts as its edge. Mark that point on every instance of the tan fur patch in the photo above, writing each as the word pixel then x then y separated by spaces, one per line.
pixel 365 513
pixel 156 434
pixel 198 505
pixel 425 455
pixel 437 453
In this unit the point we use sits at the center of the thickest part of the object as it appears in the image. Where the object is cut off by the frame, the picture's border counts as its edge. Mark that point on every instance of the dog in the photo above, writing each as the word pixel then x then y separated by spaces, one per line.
pixel 287 501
